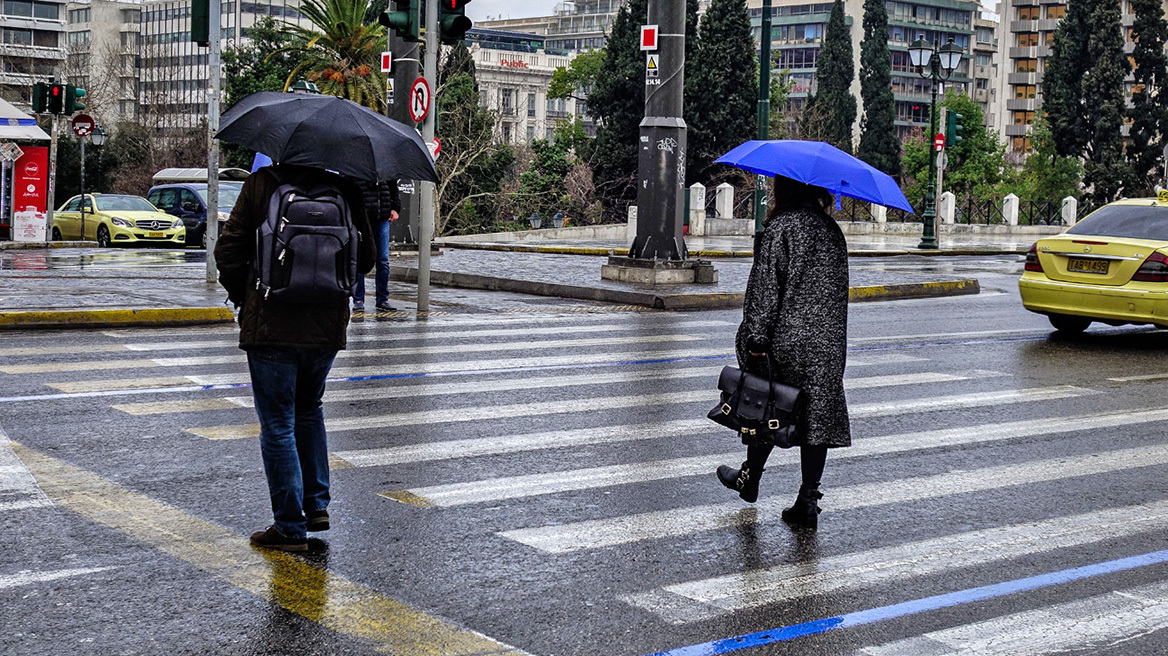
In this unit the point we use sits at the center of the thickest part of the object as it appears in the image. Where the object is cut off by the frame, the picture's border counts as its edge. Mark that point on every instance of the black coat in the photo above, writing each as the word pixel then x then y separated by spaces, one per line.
pixel 271 323
pixel 380 198
pixel 796 309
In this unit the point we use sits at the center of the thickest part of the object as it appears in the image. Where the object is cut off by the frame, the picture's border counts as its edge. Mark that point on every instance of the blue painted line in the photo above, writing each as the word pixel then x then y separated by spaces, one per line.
pixel 916 606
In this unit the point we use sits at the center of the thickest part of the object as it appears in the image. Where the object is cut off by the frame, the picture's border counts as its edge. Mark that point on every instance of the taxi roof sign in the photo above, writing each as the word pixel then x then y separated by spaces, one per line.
pixel 1162 195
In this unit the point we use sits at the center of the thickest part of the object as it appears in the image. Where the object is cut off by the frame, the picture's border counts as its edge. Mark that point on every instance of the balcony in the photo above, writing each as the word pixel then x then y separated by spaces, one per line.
pixel 1022 78
pixel 1017 130
pixel 981 95
pixel 555 113
pixel 1021 104
pixel 1022 52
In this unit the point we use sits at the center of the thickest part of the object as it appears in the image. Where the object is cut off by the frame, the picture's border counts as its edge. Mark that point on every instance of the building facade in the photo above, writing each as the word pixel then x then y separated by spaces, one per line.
pixel 987 70
pixel 32 39
pixel 102 47
pixel 798 28
pixel 514 71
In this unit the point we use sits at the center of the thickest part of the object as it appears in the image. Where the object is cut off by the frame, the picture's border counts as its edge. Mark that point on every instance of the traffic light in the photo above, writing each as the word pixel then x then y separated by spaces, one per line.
pixel 405 21
pixel 953 128
pixel 452 21
pixel 40 97
pixel 56 100
pixel 73 97
pixel 201 22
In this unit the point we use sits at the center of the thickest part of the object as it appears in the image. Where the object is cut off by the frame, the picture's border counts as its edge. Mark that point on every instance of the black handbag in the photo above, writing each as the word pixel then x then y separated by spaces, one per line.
pixel 759 409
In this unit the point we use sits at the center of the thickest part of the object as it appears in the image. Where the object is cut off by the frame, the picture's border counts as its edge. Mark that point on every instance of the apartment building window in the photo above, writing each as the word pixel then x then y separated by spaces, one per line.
pixel 46 39
pixel 1048 38
pixel 1024 91
pixel 18 37
pixel 1023 118
pixel 983 60
pixel 131 39
pixel 985 35
pixel 506 133
pixel 1028 13
pixel 506 103
pixel 1055 11
pixel 483 98
pixel 1021 145
pixel 798 58
pixel 981 83
pixel 1027 39
pixel 530 133
pixel 1025 65
pixel 531 106
pixel 78 16
pixel 46 10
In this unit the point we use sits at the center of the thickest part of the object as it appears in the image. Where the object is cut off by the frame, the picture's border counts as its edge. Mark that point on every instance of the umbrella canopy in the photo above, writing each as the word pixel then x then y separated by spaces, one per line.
pixel 327 132
pixel 820 164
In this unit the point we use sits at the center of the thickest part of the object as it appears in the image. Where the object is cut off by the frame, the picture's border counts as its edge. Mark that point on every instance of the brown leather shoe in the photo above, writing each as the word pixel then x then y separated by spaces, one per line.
pixel 318 520
pixel 270 538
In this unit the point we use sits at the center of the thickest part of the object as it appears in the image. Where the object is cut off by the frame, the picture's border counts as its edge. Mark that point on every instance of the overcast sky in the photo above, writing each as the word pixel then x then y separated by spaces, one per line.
pixel 481 9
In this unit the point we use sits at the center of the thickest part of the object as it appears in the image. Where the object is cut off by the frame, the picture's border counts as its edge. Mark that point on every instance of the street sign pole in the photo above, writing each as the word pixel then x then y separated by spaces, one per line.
pixel 52 200
pixel 83 188
pixel 212 226
pixel 405 70
pixel 662 146
pixel 426 229
pixel 764 111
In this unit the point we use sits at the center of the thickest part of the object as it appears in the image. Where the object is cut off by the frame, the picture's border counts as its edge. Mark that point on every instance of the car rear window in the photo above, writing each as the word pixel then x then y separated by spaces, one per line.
pixel 1125 221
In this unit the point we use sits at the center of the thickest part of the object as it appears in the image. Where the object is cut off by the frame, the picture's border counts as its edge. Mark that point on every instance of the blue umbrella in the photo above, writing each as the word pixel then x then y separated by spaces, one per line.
pixel 820 164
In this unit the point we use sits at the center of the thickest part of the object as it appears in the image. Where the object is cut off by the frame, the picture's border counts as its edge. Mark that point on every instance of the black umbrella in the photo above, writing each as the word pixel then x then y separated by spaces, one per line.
pixel 327 132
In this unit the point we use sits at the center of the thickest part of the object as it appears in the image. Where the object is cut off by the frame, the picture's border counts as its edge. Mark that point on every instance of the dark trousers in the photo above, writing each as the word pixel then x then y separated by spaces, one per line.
pixel 288 385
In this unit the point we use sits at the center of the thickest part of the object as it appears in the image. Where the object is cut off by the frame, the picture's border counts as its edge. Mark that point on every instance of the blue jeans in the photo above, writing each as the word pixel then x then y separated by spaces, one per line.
pixel 381 243
pixel 288 385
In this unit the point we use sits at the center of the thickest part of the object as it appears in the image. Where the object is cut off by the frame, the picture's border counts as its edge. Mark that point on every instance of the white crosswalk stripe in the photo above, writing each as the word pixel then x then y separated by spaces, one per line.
pixel 1081 626
pixel 18 489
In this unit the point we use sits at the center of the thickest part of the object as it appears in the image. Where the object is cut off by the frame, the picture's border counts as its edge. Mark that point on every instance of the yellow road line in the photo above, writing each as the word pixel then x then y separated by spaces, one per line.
pixel 89 318
pixel 53 367
pixel 166 407
pixel 333 601
pixel 407 497
pixel 236 432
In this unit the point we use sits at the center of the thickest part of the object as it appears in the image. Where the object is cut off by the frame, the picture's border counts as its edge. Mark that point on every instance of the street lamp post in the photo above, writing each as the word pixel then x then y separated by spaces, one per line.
pixel 934 68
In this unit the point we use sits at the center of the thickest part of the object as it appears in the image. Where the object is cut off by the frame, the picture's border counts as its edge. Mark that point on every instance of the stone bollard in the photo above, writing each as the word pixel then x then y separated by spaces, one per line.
pixel 697 209
pixel 946 207
pixel 879 213
pixel 1010 210
pixel 631 234
pixel 1070 211
pixel 724 200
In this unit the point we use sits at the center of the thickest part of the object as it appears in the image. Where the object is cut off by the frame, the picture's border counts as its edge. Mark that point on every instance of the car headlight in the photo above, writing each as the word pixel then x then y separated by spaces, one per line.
pixel 118 221
pixel 177 224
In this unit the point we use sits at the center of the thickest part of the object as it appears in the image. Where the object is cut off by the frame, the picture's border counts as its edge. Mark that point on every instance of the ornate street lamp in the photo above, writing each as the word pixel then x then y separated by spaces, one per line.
pixel 935 64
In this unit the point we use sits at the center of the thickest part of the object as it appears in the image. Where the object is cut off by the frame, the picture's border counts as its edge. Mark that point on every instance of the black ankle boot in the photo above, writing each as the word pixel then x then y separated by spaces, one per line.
pixel 805 512
pixel 744 481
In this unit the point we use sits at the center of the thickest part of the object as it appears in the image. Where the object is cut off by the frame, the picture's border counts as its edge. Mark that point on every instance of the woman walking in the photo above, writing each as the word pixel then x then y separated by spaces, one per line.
pixel 795 313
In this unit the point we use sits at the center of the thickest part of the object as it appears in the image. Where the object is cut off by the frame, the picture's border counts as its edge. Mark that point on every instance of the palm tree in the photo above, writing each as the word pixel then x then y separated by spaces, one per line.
pixel 341 53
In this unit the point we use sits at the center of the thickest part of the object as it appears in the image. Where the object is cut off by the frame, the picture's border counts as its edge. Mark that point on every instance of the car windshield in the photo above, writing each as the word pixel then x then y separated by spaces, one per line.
pixel 123 203
pixel 228 194
pixel 1125 221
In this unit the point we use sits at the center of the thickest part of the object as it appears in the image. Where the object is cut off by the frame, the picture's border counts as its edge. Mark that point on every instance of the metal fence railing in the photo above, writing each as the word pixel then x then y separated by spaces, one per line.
pixel 1035 212
pixel 973 211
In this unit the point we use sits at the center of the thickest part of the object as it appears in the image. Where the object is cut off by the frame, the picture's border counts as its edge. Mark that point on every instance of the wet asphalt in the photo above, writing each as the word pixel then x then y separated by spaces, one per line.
pixel 72 582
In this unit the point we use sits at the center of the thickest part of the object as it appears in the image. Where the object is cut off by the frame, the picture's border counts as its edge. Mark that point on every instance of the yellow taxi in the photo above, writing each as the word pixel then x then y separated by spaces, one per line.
pixel 1111 267
pixel 112 219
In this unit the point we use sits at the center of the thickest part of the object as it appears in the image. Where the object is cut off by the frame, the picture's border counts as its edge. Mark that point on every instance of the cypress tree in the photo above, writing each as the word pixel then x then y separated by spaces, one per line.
pixel 1103 104
pixel 878 143
pixel 1149 110
pixel 617 101
pixel 724 113
pixel 1062 92
pixel 834 71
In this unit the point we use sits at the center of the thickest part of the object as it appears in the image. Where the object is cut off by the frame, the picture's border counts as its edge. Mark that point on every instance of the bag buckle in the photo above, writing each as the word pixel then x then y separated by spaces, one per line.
pixel 726 409
pixel 748 431
pixel 774 424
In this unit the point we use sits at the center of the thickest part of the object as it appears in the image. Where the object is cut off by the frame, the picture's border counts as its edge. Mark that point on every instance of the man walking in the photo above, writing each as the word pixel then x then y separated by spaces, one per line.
pixel 382 205
pixel 290 345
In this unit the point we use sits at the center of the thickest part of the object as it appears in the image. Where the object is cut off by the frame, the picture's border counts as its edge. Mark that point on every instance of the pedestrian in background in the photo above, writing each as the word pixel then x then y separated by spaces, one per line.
pixel 290 350
pixel 795 312
pixel 382 206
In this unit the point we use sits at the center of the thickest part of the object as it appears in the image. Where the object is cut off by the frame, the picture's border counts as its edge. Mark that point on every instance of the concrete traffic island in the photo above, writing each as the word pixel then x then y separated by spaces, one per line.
pixel 659 272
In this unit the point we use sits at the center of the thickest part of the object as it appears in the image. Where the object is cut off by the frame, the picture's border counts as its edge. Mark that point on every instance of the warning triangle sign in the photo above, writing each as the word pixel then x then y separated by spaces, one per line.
pixel 652 62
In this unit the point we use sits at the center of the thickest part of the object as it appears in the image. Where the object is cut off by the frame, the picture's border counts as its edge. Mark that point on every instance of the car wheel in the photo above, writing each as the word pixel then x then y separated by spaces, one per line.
pixel 56 234
pixel 1069 324
pixel 103 237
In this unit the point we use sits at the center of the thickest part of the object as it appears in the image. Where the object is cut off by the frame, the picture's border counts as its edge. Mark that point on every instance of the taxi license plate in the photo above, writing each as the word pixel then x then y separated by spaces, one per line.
pixel 157 235
pixel 1080 265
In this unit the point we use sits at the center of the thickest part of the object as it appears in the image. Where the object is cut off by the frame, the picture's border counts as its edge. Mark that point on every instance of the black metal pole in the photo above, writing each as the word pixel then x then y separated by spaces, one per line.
pixel 661 148
pixel 406 64
pixel 929 230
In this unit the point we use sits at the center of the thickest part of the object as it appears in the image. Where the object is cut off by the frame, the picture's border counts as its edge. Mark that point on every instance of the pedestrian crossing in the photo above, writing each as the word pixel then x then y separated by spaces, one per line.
pixel 573 443
pixel 18 489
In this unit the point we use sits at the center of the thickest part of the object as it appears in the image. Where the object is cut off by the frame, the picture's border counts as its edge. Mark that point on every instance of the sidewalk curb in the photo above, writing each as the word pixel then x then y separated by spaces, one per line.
pixel 707 301
pixel 720 254
pixel 32 245
pixel 152 317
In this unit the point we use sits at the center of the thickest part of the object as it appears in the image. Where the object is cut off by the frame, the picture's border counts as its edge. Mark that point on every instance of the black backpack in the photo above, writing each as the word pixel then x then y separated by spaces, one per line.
pixel 307 246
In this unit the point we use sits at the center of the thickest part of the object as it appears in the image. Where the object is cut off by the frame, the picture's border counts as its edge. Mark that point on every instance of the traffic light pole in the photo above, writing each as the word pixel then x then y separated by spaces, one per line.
pixel 52 200
pixel 426 229
pixel 764 111
pixel 405 70
pixel 212 224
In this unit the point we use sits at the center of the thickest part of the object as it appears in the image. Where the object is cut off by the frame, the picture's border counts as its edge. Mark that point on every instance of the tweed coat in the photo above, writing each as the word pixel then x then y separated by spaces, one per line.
pixel 796 309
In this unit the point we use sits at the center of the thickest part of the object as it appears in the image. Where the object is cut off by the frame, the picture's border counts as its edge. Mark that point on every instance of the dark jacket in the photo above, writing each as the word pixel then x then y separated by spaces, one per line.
pixel 380 198
pixel 272 323
pixel 796 310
